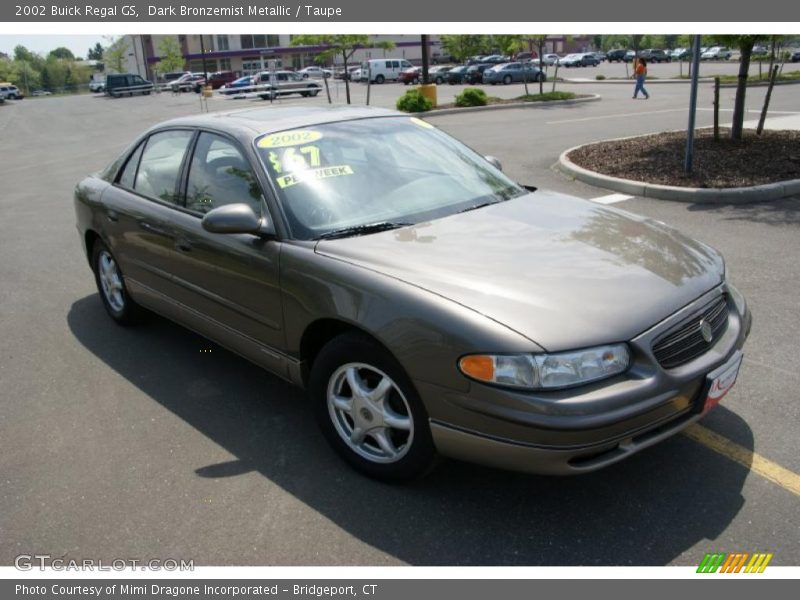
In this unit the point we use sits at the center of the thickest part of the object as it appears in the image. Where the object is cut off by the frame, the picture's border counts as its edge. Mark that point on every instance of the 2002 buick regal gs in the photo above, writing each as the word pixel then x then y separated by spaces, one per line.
pixel 428 303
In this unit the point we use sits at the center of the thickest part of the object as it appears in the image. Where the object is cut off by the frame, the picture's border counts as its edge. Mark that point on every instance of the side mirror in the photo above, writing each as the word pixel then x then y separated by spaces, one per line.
pixel 495 162
pixel 236 218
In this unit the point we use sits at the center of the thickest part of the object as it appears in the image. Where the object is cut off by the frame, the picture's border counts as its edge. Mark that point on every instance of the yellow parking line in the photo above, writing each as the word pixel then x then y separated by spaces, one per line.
pixel 775 473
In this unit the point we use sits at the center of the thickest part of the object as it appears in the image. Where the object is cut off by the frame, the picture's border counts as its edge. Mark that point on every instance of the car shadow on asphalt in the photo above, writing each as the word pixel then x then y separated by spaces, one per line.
pixel 647 510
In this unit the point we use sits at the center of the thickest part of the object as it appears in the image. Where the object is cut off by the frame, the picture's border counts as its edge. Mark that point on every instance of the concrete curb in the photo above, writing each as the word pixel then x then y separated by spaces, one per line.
pixel 632 81
pixel 739 195
pixel 467 109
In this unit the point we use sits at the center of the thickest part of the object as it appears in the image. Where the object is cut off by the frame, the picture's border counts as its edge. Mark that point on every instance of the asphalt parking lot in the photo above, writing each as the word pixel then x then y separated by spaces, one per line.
pixel 140 443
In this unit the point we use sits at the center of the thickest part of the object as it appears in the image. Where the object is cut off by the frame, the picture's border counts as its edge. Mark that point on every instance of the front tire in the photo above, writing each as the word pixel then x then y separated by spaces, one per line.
pixel 111 285
pixel 369 411
pixel 507 80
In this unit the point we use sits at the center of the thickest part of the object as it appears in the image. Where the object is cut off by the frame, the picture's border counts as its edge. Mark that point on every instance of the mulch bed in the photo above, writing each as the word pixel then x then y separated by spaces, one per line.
pixel 771 157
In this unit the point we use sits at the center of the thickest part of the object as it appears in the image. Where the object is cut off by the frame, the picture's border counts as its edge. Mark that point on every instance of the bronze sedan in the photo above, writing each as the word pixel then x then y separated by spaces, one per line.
pixel 428 303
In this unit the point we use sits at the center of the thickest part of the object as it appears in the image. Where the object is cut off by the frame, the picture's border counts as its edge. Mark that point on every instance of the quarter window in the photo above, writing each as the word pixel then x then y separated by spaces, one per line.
pixel 128 175
pixel 219 174
pixel 160 165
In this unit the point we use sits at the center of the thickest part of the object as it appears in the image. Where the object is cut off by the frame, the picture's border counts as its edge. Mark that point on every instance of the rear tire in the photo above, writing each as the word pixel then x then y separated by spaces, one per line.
pixel 507 80
pixel 369 411
pixel 380 79
pixel 111 286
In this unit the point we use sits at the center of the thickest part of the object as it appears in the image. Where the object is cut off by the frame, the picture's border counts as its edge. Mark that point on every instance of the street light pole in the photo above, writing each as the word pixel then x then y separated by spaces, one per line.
pixel 203 54
pixel 687 163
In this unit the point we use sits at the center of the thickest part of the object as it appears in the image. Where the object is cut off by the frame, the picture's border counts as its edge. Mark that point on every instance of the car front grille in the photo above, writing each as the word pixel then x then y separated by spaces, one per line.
pixel 685 341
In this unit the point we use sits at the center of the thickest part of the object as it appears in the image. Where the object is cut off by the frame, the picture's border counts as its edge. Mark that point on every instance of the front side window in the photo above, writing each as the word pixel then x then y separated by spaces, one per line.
pixel 396 169
pixel 160 165
pixel 219 174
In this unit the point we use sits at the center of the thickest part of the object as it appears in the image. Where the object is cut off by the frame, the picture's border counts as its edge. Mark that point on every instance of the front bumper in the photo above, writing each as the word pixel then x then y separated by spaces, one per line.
pixel 582 429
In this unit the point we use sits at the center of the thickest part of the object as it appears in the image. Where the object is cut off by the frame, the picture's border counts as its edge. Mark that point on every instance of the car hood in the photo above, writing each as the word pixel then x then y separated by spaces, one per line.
pixel 564 272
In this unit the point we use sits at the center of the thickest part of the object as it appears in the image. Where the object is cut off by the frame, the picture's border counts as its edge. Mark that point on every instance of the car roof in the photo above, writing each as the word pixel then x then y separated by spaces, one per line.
pixel 251 122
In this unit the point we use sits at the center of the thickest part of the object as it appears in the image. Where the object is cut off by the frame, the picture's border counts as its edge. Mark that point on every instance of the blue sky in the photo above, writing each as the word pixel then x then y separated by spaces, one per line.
pixel 44 43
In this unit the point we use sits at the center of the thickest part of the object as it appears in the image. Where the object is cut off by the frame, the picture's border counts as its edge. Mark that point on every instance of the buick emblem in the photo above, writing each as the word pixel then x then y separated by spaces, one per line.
pixel 706 331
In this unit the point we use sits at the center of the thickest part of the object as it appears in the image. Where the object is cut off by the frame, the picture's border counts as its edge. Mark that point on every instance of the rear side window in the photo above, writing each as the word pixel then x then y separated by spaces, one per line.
pixel 160 165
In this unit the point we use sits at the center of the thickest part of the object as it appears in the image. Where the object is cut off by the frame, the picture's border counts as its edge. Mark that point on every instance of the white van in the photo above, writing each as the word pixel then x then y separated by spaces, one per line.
pixel 383 69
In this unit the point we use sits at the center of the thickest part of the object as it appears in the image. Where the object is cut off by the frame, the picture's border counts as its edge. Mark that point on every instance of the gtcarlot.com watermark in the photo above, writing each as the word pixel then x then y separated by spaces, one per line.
pixel 42 562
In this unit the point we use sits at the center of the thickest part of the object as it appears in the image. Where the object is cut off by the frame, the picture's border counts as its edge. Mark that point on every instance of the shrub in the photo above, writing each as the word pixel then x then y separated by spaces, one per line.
pixel 600 77
pixel 412 101
pixel 472 97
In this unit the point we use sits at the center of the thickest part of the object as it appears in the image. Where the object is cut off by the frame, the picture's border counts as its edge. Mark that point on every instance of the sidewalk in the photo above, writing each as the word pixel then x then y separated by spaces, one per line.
pixel 777 122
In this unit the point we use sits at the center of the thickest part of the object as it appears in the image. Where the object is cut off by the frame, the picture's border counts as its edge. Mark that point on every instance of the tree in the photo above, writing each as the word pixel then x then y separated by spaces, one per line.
pixel 116 54
pixel 22 53
pixel 62 53
pixel 539 42
pixel 339 45
pixel 171 56
pixel 461 47
pixel 745 45
pixel 95 53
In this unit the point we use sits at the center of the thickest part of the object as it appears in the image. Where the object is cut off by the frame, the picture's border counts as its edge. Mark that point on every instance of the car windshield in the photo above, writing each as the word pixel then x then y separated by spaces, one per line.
pixel 390 170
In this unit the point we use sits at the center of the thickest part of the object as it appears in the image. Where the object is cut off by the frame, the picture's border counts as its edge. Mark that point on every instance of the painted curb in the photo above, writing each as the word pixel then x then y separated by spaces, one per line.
pixel 467 109
pixel 739 195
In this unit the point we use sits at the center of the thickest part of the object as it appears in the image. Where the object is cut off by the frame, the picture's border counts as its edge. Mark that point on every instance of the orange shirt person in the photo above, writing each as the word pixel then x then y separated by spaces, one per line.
pixel 641 74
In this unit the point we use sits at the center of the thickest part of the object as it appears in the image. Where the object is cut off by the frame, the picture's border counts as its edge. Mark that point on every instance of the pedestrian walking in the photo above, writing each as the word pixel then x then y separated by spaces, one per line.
pixel 641 75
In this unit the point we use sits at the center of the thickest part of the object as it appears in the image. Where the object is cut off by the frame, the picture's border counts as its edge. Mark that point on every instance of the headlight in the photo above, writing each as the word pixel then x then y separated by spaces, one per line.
pixel 547 371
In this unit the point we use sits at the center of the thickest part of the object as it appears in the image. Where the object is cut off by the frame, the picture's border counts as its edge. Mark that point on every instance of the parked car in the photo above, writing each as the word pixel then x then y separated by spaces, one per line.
pixel 474 73
pixel 10 92
pixel 629 56
pixel 127 84
pixel 218 79
pixel 41 93
pixel 293 237
pixel 235 86
pixel 315 72
pixel 97 85
pixel 523 56
pixel 582 59
pixel 681 54
pixel 550 59
pixel 410 75
pixel 348 74
pixel 380 70
pixel 188 82
pixel 655 55
pixel 795 57
pixel 438 75
pixel 601 56
pixel 495 59
pixel 514 72
pixel 716 53
pixel 170 77
pixel 616 55
pixel 456 74
pixel 283 83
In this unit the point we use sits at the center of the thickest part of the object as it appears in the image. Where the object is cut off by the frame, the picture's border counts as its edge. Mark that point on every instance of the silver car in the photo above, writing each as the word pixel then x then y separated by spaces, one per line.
pixel 427 302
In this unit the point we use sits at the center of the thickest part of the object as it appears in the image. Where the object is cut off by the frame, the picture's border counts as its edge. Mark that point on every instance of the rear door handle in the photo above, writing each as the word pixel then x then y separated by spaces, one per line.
pixel 183 245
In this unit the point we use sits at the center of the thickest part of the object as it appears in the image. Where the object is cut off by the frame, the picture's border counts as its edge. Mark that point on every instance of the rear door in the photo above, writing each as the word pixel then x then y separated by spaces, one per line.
pixel 139 209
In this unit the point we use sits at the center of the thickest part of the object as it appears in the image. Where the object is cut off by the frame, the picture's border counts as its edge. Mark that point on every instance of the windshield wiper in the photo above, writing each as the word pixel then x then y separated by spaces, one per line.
pixel 362 229
pixel 477 206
